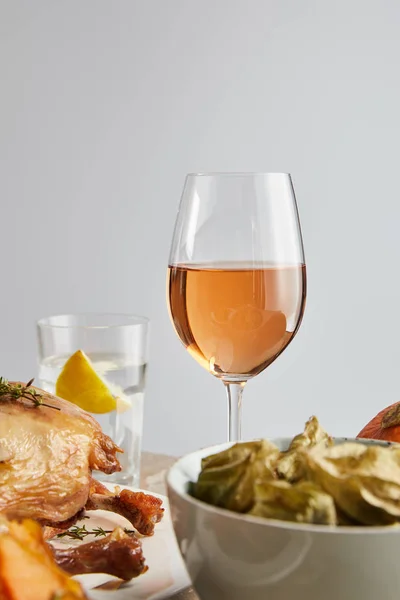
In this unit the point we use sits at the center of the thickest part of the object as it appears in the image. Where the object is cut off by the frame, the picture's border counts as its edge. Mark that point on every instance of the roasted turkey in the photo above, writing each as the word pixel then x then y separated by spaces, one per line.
pixel 48 449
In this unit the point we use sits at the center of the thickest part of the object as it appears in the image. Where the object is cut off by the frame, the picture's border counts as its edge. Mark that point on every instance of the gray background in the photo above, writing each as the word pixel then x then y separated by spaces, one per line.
pixel 104 107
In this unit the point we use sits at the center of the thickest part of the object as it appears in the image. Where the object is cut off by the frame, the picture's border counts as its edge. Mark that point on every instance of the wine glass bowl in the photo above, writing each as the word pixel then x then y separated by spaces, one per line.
pixel 236 275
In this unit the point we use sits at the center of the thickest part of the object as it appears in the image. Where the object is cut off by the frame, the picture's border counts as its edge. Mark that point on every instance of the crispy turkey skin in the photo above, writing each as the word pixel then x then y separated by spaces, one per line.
pixel 46 458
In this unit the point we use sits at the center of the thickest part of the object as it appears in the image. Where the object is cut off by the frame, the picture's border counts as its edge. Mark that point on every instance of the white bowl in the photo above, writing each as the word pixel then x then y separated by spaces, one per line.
pixel 238 557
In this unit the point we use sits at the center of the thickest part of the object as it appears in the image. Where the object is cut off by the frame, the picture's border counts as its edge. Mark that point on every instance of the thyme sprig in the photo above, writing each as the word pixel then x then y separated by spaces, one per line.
pixel 16 391
pixel 79 533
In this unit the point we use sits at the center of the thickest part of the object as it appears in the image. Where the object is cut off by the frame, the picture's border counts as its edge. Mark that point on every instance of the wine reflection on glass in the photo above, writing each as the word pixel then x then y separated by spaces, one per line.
pixel 237 276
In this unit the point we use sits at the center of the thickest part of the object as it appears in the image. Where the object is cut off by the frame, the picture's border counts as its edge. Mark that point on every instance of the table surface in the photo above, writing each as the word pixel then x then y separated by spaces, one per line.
pixel 153 471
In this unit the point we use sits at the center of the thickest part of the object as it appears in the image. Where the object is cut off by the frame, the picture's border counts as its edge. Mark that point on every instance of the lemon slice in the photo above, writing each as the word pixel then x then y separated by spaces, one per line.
pixel 79 383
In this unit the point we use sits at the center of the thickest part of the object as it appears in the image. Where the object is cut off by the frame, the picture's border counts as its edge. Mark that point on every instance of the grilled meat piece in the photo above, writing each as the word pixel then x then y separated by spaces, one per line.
pixel 119 554
pixel 143 511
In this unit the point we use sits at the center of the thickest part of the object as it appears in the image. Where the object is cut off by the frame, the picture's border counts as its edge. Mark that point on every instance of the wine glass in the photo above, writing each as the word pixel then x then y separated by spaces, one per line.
pixel 237 276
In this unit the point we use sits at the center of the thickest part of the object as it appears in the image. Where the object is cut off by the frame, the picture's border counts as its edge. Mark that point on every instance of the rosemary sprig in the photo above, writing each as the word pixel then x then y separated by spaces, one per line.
pixel 79 533
pixel 16 391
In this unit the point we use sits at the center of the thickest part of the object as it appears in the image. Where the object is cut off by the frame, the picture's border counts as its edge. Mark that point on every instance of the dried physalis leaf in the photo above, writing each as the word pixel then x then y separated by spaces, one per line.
pixel 302 502
pixel 231 454
pixel 291 465
pixel 265 461
pixel 221 473
pixel 363 480
pixel 392 417
pixel 227 479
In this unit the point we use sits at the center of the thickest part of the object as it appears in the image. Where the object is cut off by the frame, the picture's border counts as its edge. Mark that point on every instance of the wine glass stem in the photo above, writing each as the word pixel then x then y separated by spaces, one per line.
pixel 234 392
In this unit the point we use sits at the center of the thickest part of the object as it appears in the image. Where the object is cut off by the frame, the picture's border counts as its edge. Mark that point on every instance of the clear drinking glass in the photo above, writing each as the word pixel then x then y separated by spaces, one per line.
pixel 237 275
pixel 117 346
